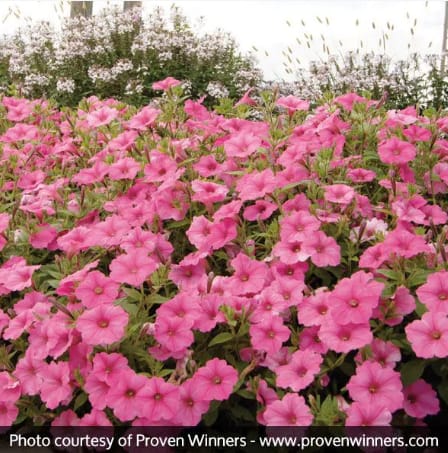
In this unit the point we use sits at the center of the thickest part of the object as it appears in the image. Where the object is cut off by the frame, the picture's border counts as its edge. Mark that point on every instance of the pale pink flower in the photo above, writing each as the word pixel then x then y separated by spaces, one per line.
pixel 300 371
pixel 374 385
pixel 166 84
pixel 396 151
pixel 249 277
pixel 216 379
pixel 429 336
pixel 339 193
pixel 97 289
pixel 55 387
pixel 101 117
pixel 434 293
pixel 290 411
pixel 361 414
pixel 269 334
pixel 102 325
pixel 132 268
pixel 191 404
pixel 323 250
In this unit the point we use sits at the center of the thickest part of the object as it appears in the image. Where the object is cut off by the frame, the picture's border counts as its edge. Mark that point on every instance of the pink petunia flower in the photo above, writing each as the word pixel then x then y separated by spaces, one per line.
pixel 290 252
pixel 269 334
pixel 55 387
pixel 192 405
pixel 323 250
pixel 383 352
pixel 125 396
pixel 354 298
pixel 292 104
pixel 125 168
pixel 300 371
pixel 109 366
pixel 393 309
pixel 298 226
pixel 97 289
pixel 98 390
pixel 256 184
pixel 404 243
pixel 396 151
pixel 160 400
pixel 144 119
pixel 189 276
pixel 216 379
pixel 102 116
pixel 28 372
pixel 374 256
pixel 261 210
pixel 345 338
pixel 361 175
pixel 434 293
pixel 207 192
pixel 242 144
pixel 361 414
pixel 15 274
pixel 45 238
pixel 290 411
pixel 429 336
pixel 95 418
pixel 315 309
pixel 10 388
pixel 374 385
pixel 173 333
pixel 8 413
pixel 166 84
pixel 132 268
pixel 420 399
pixel 249 277
pixel 339 193
pixel 102 325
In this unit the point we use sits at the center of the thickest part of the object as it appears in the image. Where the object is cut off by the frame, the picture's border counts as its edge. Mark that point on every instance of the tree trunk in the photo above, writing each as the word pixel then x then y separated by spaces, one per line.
pixel 78 8
pixel 130 5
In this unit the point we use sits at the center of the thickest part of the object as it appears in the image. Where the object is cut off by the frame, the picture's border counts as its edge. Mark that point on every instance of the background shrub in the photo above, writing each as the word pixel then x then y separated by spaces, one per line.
pixel 415 80
pixel 119 54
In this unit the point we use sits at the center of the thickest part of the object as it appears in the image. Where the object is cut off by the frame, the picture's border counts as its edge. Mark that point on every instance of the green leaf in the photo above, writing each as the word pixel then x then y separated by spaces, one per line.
pixel 132 294
pixel 418 277
pixel 443 390
pixel 246 394
pixel 80 400
pixel 223 337
pixel 420 308
pixel 412 370
pixel 156 299
pixel 329 413
pixel 392 275
pixel 129 307
pixel 242 413
pixel 210 417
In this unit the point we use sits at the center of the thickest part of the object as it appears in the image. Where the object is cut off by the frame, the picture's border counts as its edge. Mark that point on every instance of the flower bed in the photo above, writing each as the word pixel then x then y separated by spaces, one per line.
pixel 174 265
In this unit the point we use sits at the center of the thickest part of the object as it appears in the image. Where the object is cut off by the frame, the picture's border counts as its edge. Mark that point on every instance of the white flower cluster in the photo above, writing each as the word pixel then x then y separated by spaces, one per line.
pixel 65 85
pixel 371 72
pixel 117 47
pixel 217 90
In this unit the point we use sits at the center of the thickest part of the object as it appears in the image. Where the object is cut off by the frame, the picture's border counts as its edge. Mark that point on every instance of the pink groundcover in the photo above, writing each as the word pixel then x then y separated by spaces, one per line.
pixel 266 261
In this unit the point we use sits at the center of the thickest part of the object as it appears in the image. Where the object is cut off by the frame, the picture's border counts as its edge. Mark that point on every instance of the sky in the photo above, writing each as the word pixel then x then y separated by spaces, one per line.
pixel 276 29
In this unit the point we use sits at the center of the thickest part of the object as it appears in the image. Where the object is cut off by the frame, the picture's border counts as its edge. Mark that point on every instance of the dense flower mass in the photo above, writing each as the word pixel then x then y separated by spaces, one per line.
pixel 122 54
pixel 173 265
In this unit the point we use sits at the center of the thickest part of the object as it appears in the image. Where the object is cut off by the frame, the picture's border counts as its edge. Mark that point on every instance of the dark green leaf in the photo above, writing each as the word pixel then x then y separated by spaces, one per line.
pixel 411 371
pixel 223 337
